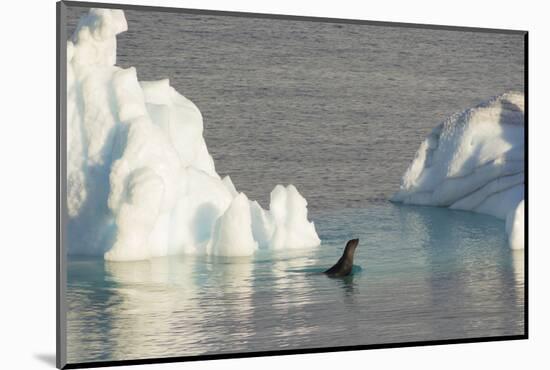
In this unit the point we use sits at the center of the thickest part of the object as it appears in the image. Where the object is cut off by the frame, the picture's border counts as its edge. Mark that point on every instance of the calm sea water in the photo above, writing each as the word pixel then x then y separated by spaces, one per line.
pixel 421 274
pixel 339 111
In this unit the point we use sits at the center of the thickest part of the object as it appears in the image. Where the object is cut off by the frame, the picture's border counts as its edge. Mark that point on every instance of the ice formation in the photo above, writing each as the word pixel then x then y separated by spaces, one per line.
pixel 515 228
pixel 474 161
pixel 140 180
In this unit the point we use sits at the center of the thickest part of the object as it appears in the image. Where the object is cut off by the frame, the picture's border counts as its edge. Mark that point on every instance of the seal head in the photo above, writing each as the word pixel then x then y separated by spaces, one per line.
pixel 345 264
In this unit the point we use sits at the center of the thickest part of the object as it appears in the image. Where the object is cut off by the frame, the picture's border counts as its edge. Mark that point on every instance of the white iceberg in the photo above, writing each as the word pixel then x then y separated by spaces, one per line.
pixel 233 230
pixel 474 161
pixel 289 219
pixel 140 180
pixel 515 227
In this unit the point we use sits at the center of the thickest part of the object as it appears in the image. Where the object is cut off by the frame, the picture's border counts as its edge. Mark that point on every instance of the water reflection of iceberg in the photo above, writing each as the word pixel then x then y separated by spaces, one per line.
pixel 176 302
pixel 149 294
pixel 460 264
pixel 518 263
pixel 228 302
pixel 87 297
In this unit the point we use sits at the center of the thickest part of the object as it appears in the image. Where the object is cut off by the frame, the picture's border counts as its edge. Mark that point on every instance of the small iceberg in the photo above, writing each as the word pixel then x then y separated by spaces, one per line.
pixel 474 161
pixel 140 180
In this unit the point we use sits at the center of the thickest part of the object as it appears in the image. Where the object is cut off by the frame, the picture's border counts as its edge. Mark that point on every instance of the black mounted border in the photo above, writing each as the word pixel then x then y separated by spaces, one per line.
pixel 61 160
pixel 61 178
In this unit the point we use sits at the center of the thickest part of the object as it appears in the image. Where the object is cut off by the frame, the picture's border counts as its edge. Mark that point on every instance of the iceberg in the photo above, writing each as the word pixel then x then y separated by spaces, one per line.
pixel 515 227
pixel 140 180
pixel 474 161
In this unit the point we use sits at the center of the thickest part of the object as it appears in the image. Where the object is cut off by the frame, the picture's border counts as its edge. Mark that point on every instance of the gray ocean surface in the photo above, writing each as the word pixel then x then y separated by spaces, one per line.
pixel 339 111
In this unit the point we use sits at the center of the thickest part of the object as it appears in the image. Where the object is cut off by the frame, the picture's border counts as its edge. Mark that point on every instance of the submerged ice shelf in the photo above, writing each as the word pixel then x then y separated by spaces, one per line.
pixel 474 161
pixel 141 182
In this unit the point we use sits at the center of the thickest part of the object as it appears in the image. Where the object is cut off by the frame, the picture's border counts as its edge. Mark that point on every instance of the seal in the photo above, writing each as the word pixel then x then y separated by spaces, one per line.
pixel 345 264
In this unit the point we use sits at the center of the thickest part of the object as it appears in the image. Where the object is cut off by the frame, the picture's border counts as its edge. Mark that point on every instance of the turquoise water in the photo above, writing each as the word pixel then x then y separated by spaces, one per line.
pixel 420 273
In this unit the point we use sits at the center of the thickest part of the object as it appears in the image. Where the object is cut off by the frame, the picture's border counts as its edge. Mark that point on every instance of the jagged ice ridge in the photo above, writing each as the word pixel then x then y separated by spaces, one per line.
pixel 140 180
